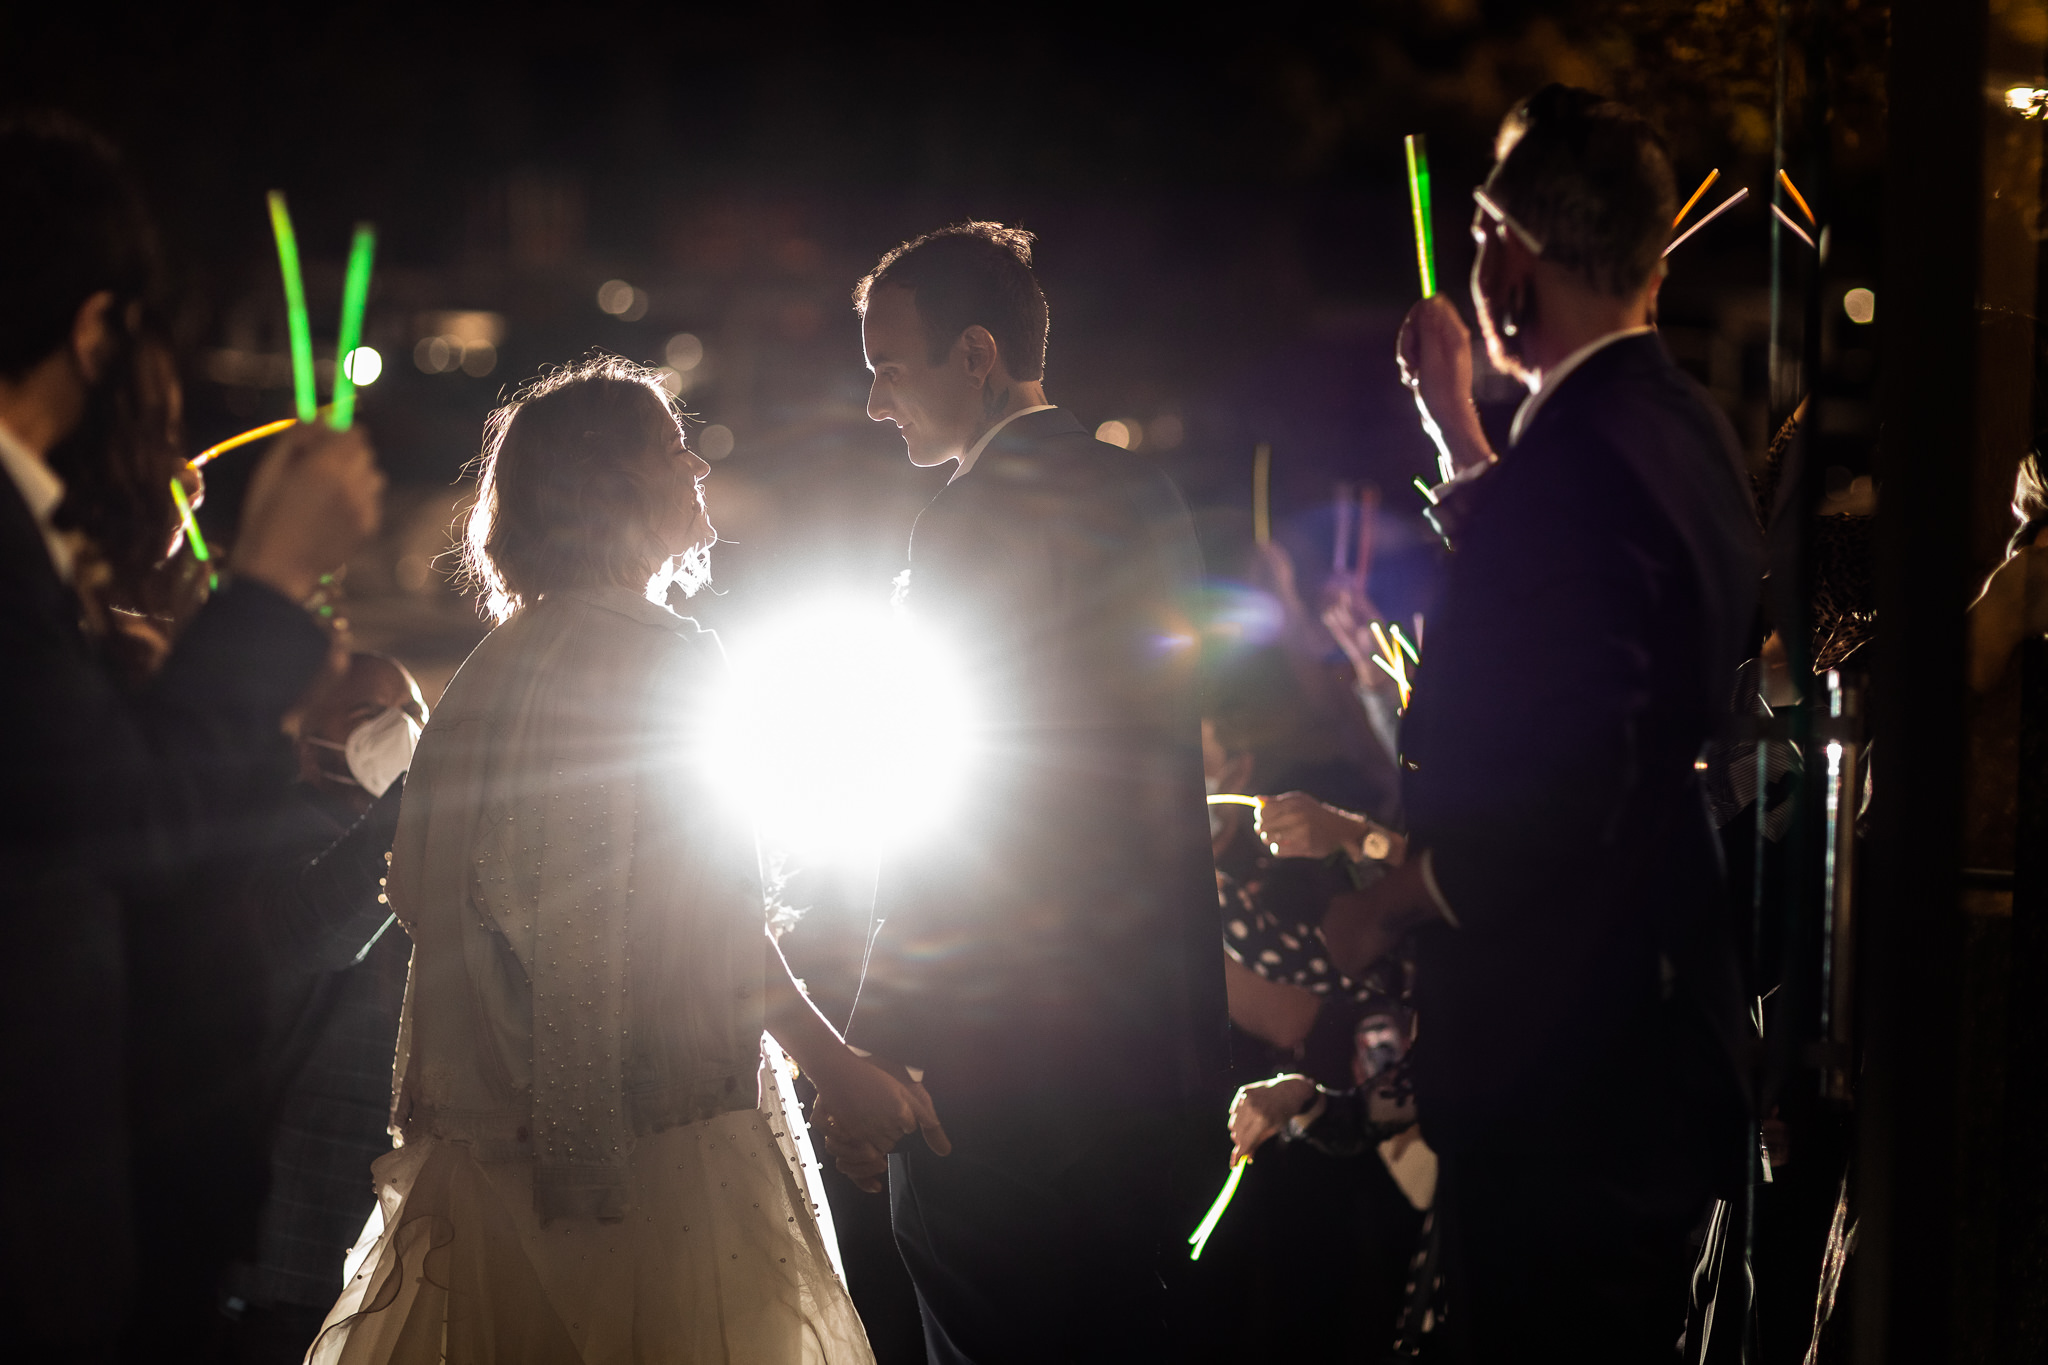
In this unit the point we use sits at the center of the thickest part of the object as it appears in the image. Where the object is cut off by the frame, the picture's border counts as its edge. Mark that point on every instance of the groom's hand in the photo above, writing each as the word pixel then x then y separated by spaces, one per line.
pixel 875 1103
pixel 857 1161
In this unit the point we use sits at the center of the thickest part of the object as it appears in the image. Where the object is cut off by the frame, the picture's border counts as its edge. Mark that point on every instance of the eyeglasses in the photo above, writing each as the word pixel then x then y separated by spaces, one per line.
pixel 1506 220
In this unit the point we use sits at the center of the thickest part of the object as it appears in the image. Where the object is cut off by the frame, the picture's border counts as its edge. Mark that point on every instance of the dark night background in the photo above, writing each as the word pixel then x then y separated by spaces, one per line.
pixel 1219 198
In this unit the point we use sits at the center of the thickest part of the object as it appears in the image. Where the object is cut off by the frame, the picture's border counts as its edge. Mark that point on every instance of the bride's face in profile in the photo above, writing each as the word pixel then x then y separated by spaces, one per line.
pixel 684 524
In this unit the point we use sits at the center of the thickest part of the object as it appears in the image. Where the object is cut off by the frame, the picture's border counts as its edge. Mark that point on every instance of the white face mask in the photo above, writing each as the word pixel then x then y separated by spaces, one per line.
pixel 378 750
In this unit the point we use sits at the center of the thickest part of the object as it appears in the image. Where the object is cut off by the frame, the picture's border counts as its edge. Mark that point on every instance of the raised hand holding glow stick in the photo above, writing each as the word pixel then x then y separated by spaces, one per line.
pixel 1418 205
pixel 355 296
pixel 305 394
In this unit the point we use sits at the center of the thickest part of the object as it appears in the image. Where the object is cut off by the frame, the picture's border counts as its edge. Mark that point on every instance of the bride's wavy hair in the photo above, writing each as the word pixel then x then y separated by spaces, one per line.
pixel 571 480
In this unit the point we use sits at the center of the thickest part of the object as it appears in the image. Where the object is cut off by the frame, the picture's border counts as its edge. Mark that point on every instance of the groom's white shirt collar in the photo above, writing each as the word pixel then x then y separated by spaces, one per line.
pixel 974 451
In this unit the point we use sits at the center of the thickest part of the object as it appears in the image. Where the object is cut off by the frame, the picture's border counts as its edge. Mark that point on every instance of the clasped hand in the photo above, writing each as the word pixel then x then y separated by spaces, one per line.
pixel 866 1108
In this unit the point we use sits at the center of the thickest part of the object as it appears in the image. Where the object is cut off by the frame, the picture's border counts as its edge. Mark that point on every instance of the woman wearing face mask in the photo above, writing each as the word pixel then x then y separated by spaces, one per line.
pixel 590 1168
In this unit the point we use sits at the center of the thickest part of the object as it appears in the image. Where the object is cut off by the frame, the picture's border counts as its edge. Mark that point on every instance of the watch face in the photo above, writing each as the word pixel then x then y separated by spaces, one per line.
pixel 1377 845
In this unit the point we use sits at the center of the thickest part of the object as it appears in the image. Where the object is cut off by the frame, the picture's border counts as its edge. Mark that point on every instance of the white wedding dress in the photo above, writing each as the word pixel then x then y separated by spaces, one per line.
pixel 599 1164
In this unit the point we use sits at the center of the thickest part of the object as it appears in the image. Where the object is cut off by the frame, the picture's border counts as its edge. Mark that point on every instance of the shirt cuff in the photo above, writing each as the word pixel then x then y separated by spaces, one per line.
pixel 1436 893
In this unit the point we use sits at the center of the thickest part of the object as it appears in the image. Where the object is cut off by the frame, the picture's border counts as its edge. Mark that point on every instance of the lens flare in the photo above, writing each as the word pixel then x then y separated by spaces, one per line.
pixel 843 729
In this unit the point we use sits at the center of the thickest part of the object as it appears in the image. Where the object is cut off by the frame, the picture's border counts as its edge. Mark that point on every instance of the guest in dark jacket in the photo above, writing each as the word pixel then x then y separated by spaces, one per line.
pixel 1049 958
pixel 1575 976
pixel 112 795
pixel 335 967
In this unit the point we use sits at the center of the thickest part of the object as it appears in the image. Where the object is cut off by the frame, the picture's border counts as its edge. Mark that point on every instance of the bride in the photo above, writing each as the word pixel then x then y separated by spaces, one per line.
pixel 589 1170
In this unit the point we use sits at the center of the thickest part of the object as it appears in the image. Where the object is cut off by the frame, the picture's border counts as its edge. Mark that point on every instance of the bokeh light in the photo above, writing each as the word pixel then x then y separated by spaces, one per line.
pixel 1116 434
pixel 615 296
pixel 714 442
pixel 684 352
pixel 1860 305
pixel 842 729
pixel 362 365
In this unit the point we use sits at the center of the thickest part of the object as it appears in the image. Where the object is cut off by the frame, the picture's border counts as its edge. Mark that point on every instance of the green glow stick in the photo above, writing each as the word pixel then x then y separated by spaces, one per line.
pixel 1425 490
pixel 355 296
pixel 192 536
pixel 1418 203
pixel 1199 1238
pixel 305 397
pixel 1402 641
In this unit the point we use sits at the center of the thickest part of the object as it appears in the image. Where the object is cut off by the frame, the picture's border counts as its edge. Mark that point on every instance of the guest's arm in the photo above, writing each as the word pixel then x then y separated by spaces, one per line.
pixel 318 913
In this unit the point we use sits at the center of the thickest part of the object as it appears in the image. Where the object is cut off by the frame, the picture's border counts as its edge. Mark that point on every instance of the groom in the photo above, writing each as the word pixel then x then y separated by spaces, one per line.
pixel 1049 963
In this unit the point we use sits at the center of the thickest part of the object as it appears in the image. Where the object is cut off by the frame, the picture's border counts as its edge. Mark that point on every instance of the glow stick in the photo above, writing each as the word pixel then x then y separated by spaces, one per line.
pixel 304 394
pixel 1425 490
pixel 355 296
pixel 1402 641
pixel 200 460
pixel 1726 204
pixel 1199 1238
pixel 1379 637
pixel 1232 799
pixel 192 536
pixel 1797 230
pixel 1262 494
pixel 1797 197
pixel 1399 675
pixel 1712 176
pixel 1418 204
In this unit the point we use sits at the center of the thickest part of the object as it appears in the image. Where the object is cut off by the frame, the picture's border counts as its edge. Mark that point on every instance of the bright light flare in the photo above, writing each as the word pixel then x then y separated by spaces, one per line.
pixel 844 730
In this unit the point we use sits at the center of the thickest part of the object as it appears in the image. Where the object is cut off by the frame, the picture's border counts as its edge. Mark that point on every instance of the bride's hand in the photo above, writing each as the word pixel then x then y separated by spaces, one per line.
pixel 870 1102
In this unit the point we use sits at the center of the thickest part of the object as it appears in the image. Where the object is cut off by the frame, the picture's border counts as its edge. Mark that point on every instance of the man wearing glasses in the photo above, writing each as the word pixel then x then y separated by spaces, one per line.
pixel 1576 978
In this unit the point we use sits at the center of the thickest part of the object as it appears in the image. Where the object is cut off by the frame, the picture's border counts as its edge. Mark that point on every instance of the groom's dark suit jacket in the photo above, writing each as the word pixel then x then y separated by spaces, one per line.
pixel 1058 936
pixel 1585 645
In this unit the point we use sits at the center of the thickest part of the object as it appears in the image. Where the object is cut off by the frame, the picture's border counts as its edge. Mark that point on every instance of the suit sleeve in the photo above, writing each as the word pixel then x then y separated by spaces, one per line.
pixel 319 912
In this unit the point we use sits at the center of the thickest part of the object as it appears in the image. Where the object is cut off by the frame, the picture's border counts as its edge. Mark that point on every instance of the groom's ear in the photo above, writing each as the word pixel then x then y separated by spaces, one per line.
pixel 978 351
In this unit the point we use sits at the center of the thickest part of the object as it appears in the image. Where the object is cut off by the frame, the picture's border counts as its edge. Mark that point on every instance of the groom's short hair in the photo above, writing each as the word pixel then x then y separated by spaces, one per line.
pixel 966 275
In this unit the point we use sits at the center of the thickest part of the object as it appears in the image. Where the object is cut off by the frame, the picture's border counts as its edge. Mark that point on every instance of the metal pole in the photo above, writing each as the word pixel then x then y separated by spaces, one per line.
pixel 1909 991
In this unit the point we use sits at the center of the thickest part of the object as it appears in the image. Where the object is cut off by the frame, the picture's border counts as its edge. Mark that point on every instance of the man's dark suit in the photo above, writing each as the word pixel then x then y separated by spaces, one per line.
pixel 1051 958
pixel 109 800
pixel 1580 1060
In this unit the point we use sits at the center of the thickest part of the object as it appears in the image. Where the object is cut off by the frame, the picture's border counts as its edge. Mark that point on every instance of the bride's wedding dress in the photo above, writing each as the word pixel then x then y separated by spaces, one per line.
pixel 597 1164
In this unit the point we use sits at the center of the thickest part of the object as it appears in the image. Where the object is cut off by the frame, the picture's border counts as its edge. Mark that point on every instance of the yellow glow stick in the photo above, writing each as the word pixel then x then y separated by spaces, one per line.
pixel 1262 494
pixel 1399 676
pixel 252 434
pixel 1232 799
pixel 1379 637
pixel 1705 185
pixel 1199 1238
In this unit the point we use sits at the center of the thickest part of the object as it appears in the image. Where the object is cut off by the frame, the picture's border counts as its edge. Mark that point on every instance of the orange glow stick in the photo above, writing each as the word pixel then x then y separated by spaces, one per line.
pixel 251 435
pixel 1705 185
pixel 1797 198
